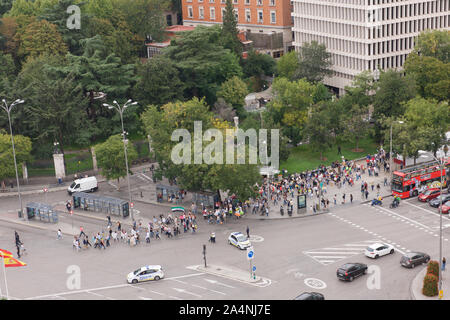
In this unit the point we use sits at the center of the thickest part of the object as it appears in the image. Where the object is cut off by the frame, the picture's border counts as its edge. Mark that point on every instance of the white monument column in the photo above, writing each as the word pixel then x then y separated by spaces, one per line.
pixel 58 158
pixel 94 159
pixel 25 171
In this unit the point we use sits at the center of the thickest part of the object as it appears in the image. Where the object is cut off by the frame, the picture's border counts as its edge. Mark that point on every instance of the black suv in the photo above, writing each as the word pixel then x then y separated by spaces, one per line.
pixel 310 296
pixel 349 271
pixel 436 202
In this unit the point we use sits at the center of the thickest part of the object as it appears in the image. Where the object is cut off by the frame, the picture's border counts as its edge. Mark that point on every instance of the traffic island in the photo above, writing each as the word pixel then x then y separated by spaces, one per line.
pixel 233 274
pixel 417 285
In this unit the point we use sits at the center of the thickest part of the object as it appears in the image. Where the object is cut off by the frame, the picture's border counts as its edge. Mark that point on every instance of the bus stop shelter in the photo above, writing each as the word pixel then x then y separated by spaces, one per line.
pixel 98 203
pixel 41 211
pixel 169 193
pixel 207 198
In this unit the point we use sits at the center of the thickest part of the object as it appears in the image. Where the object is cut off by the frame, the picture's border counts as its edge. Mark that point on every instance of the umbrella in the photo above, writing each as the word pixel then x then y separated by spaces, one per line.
pixel 178 209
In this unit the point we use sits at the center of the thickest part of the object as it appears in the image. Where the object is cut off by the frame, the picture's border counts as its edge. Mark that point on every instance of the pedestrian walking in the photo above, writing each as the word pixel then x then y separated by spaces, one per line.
pixel 82 232
pixel 248 233
pixel 367 194
pixel 443 263
pixel 68 206
pixel 351 198
pixel 59 234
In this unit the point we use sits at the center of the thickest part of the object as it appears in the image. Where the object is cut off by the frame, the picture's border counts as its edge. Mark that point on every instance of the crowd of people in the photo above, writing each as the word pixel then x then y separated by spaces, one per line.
pixel 163 226
pixel 315 185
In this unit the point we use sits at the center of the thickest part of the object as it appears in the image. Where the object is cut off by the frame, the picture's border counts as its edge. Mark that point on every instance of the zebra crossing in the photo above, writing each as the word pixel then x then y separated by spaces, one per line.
pixel 329 255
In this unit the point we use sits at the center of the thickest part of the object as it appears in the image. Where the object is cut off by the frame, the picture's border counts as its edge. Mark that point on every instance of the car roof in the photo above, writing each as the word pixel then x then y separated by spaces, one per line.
pixel 376 245
pixel 237 233
pixel 410 254
pixel 151 267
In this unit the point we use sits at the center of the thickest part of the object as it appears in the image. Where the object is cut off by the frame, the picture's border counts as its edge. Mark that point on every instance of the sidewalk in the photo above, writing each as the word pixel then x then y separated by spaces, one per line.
pixel 36 184
pixel 417 284
pixel 385 191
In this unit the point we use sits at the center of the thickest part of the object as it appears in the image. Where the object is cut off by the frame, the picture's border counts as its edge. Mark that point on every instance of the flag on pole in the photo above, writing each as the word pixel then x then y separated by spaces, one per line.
pixel 5 253
pixel 12 262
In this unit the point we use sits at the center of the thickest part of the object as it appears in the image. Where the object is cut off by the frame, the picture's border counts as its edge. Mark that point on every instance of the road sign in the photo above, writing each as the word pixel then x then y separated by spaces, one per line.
pixel 250 253
pixel 254 268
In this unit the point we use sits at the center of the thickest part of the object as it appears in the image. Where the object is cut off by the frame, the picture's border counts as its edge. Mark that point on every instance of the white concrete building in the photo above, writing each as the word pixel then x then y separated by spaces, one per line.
pixel 366 34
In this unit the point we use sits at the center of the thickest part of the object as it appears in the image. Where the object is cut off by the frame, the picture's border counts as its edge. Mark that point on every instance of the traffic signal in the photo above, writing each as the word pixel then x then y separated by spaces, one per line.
pixel 131 204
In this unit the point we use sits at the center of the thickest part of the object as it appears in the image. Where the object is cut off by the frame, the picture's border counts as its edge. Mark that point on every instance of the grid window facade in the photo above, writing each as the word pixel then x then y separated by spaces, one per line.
pixel 364 34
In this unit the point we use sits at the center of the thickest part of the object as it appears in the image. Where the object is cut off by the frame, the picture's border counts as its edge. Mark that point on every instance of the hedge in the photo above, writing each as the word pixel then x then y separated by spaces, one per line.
pixel 430 285
pixel 433 268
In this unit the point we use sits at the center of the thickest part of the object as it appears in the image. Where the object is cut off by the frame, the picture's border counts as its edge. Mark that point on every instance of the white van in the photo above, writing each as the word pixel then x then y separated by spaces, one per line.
pixel 88 184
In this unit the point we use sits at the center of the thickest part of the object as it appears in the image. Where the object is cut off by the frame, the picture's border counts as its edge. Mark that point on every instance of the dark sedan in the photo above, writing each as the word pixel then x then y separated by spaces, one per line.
pixel 412 259
pixel 350 271
pixel 436 202
pixel 310 296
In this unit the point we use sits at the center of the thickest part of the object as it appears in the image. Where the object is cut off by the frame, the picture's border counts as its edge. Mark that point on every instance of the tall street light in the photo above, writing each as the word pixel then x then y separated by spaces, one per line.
pixel 8 111
pixel 390 149
pixel 121 110
pixel 441 165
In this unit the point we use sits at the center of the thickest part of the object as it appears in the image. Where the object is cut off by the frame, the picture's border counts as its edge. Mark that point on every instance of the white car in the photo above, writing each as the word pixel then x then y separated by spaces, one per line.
pixel 377 250
pixel 145 274
pixel 237 239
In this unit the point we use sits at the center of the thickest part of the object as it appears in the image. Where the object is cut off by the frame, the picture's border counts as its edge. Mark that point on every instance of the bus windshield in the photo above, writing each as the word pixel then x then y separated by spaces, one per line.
pixel 397 186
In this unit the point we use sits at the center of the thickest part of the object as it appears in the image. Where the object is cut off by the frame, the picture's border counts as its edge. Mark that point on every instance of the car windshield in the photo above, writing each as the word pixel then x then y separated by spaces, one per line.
pixel 428 192
pixel 369 249
pixel 73 185
pixel 137 271
pixel 241 238
pixel 397 186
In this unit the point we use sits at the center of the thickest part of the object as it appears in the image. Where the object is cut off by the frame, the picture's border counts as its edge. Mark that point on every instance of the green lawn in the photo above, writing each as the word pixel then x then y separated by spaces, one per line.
pixel 302 158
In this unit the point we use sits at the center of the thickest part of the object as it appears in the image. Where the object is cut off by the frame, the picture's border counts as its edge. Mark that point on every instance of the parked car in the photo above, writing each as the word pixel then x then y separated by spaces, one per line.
pixel 238 240
pixel 429 194
pixel 350 271
pixel 145 274
pixel 310 296
pixel 88 184
pixel 412 259
pixel 436 202
pixel 377 250
pixel 446 207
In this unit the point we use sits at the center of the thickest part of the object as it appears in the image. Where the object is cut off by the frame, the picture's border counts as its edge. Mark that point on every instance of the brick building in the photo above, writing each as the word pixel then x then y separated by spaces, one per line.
pixel 261 20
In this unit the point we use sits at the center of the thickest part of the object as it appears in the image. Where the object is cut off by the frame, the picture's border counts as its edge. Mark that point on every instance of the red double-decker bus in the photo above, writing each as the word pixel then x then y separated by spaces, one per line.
pixel 406 182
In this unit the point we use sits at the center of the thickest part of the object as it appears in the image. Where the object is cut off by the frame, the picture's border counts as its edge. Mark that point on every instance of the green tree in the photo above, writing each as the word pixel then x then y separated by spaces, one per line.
pixel 237 179
pixel 111 157
pixel 7 67
pixel 42 37
pixel 292 101
pixel 234 91
pixel 158 82
pixel 393 90
pixel 432 76
pixel 287 65
pixel 57 14
pixel 55 106
pixel 314 62
pixel 258 64
pixel 204 64
pixel 5 6
pixel 317 129
pixel 435 44
pixel 230 32
pixel 22 147
pixel 30 7
pixel 145 17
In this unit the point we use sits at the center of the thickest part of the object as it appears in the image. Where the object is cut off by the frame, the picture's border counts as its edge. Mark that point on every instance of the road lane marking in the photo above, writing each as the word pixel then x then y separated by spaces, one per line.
pixel 197 286
pixel 411 220
pixel 107 287
pixel 187 292
pixel 100 295
pixel 219 283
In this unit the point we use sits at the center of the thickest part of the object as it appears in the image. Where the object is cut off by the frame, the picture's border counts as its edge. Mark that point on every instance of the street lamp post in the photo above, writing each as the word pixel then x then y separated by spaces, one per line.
pixel 121 110
pixel 8 111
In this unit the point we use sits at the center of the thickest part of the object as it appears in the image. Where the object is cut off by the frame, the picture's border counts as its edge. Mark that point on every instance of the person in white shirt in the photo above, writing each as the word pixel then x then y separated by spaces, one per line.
pixel 59 234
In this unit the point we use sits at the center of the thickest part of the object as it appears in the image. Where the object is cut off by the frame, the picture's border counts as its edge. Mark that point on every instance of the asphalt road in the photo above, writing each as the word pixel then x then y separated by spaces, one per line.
pixel 296 255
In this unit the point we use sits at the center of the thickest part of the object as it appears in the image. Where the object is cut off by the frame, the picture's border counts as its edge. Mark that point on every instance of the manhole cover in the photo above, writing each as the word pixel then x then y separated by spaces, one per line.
pixel 315 283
